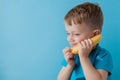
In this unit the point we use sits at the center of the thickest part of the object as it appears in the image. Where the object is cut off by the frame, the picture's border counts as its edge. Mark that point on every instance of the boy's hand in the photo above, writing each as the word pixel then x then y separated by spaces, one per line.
pixel 69 56
pixel 85 48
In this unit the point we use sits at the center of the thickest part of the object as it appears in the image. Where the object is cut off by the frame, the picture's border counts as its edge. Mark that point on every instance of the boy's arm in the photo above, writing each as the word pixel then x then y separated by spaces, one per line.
pixel 65 72
pixel 90 72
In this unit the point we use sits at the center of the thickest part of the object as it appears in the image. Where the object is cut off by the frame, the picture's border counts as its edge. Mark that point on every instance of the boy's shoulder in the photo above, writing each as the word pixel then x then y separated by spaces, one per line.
pixel 103 59
pixel 100 52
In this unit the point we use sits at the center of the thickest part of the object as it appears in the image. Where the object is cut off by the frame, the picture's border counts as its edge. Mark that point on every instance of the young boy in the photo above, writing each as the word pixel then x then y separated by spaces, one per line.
pixel 92 63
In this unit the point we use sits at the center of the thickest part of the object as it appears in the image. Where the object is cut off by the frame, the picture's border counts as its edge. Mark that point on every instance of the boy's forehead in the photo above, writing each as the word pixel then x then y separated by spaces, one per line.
pixel 77 27
pixel 74 28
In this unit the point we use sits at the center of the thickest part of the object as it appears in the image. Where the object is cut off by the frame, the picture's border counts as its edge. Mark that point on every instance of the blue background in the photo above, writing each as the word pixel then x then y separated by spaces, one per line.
pixel 32 37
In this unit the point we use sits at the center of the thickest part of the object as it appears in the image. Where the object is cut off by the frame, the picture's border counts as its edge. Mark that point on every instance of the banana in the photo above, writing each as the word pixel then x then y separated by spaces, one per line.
pixel 94 40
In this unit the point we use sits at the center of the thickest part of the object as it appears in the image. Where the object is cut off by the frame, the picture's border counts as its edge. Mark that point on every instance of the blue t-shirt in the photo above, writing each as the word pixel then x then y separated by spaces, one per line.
pixel 100 59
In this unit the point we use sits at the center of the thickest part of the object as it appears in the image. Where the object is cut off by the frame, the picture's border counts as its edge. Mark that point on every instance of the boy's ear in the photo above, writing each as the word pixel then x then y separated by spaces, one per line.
pixel 96 32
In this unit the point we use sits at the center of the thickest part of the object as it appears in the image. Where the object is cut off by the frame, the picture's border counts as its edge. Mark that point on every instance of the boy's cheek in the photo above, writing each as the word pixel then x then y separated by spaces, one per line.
pixel 77 40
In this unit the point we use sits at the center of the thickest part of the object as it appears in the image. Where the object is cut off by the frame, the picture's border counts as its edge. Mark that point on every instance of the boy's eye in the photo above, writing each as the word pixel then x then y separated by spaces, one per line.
pixel 77 34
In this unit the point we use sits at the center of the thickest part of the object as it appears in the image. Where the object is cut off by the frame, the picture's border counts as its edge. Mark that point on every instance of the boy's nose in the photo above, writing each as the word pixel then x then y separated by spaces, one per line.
pixel 70 39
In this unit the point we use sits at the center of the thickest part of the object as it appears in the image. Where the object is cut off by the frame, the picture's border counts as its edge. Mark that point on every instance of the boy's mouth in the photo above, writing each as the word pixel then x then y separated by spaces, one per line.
pixel 73 44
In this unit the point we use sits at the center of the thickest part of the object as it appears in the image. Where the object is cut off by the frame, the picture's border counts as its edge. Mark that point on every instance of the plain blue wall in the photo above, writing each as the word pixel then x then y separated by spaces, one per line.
pixel 32 37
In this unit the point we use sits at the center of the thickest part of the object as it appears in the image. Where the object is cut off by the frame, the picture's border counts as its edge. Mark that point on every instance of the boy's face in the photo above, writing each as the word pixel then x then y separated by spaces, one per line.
pixel 77 33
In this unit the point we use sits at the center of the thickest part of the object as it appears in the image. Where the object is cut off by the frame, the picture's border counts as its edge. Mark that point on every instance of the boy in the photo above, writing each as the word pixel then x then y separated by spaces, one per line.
pixel 92 63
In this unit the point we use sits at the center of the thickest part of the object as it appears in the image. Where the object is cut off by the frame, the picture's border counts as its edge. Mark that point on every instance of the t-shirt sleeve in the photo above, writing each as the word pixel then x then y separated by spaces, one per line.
pixel 104 61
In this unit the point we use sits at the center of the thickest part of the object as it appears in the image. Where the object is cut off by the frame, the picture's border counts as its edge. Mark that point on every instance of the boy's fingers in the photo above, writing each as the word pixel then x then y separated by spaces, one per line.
pixel 70 56
pixel 83 44
pixel 90 42
pixel 67 54
pixel 87 43
pixel 66 49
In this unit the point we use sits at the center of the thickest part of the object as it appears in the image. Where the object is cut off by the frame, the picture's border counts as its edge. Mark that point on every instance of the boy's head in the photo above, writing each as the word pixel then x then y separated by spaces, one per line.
pixel 85 19
pixel 87 13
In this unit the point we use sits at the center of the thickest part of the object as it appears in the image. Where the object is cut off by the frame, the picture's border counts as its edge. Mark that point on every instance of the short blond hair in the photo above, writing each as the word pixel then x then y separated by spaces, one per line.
pixel 88 13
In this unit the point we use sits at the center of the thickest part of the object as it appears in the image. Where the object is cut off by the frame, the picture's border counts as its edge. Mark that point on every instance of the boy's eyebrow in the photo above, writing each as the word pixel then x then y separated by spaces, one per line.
pixel 72 31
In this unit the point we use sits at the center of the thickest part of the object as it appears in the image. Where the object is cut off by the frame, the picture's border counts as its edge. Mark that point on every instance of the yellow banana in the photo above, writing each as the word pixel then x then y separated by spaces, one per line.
pixel 94 40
